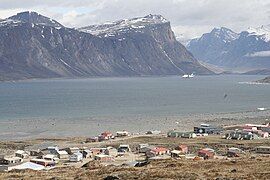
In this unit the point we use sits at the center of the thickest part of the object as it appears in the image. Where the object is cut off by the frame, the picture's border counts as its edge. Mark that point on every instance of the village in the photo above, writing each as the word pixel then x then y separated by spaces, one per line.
pixel 124 149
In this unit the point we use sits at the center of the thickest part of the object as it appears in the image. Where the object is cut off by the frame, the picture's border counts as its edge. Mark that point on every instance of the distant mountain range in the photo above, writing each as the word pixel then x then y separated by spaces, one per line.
pixel 34 46
pixel 245 51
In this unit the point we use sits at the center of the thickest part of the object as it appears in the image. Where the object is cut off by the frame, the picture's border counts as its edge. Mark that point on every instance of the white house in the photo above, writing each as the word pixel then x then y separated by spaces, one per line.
pixel 76 157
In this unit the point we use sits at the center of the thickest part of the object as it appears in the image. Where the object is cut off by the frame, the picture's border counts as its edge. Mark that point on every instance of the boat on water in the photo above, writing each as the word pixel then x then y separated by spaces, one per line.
pixel 188 75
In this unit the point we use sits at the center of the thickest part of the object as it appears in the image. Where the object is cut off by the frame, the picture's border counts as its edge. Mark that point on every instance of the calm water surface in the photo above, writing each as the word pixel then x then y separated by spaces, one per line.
pixel 129 97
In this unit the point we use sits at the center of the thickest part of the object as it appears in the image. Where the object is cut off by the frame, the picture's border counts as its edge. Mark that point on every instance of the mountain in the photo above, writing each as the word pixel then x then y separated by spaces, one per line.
pixel 34 46
pixel 247 51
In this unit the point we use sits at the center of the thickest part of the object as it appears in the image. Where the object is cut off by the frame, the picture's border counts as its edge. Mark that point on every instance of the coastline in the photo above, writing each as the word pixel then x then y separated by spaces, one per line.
pixel 29 129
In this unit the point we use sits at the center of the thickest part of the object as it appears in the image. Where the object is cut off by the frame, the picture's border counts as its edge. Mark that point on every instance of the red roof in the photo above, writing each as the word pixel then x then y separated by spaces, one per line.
pixel 160 149
pixel 208 153
pixel 106 133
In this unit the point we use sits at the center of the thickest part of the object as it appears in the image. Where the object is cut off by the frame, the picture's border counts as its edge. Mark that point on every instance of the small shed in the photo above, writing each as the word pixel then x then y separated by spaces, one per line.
pixel 76 157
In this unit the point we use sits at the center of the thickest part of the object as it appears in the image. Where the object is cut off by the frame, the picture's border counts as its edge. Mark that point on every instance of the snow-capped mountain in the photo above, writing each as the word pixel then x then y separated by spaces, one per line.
pixel 124 26
pixel 248 50
pixel 34 46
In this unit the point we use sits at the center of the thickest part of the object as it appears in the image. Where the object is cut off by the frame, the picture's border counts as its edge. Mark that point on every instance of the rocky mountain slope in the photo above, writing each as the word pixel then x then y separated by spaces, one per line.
pixel 248 50
pixel 34 46
pixel 265 80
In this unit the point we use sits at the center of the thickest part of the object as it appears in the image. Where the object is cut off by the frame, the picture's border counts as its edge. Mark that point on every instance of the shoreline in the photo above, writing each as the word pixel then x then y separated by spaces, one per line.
pixel 30 129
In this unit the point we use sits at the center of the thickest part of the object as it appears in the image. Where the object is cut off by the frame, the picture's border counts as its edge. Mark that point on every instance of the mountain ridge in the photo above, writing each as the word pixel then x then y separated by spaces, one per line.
pixel 43 48
pixel 249 49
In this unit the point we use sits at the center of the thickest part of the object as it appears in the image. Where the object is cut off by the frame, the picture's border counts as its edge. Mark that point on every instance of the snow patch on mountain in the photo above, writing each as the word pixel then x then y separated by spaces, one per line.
pixel 122 26
pixel 262 32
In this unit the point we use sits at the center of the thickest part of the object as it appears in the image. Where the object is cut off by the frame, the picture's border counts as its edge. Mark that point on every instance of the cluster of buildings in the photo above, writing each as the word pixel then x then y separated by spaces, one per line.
pixel 53 156
pixel 249 132
pixel 107 136
pixel 202 130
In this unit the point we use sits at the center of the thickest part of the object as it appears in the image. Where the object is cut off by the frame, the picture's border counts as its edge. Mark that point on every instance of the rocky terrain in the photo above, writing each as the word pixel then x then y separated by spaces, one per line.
pixel 265 80
pixel 245 51
pixel 34 46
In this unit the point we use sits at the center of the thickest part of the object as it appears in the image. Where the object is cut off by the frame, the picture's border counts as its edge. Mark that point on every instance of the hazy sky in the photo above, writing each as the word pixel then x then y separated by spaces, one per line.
pixel 189 18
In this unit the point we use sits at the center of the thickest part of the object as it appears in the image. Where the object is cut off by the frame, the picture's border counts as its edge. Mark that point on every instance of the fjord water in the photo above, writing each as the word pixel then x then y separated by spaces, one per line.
pixel 124 102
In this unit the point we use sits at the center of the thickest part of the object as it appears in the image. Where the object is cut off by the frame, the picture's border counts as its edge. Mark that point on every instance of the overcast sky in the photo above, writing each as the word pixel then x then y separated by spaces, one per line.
pixel 189 18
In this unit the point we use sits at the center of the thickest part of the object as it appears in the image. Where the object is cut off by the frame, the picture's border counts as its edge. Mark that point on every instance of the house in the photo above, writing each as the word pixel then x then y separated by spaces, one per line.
pixel 206 154
pixel 176 153
pixel 43 162
pixel 51 157
pixel 22 154
pixel 10 160
pixel 62 154
pixel 182 148
pixel 157 151
pixel 142 148
pixel 86 153
pixel 72 150
pixel 207 129
pixel 111 151
pixel 53 149
pixel 36 153
pixel 263 149
pixel 234 152
pixel 103 158
pixel 122 133
pixel 241 135
pixel 181 134
pixel 123 148
pixel 105 136
pixel 76 157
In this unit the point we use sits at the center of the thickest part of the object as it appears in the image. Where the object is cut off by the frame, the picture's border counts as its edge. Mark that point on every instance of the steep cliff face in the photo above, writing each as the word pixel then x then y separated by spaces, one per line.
pixel 33 46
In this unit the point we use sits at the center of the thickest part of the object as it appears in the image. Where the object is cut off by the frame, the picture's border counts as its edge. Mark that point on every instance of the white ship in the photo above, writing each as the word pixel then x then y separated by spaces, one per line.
pixel 188 76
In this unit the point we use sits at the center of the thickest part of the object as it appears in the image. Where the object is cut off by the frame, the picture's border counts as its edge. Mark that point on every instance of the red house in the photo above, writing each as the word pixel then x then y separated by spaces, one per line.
pixel 106 136
pixel 158 151
pixel 206 154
